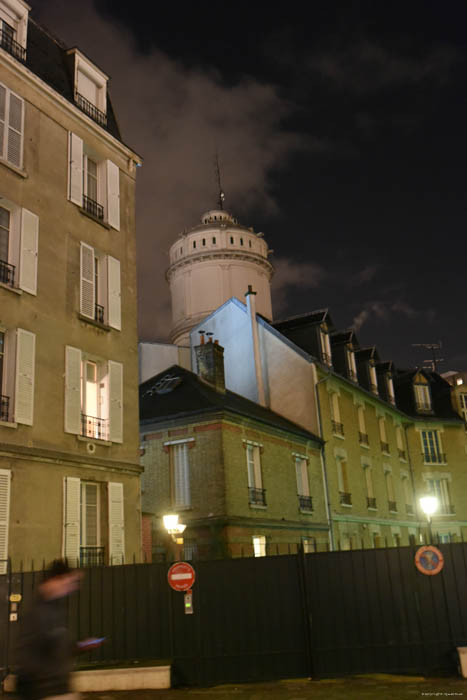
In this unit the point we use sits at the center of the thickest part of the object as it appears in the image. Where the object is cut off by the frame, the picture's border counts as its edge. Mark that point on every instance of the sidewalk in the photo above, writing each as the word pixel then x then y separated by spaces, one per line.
pixel 378 687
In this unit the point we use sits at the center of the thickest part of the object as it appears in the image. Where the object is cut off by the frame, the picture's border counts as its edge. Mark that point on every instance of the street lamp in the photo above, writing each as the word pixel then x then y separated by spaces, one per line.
pixel 429 505
pixel 173 527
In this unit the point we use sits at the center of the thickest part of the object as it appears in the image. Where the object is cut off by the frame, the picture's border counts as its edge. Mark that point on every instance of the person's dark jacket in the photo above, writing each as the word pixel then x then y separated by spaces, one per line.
pixel 46 652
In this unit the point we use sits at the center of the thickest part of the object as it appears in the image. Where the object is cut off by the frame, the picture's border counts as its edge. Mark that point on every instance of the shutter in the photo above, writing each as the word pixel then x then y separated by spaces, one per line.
pixel 87 295
pixel 71 519
pixel 298 473
pixel 115 401
pixel 91 515
pixel 15 130
pixel 28 251
pixel 5 480
pixel 87 88
pixel 75 174
pixel 72 390
pixel 24 380
pixel 116 524
pixel 251 466
pixel 2 120
pixel 114 292
pixel 304 474
pixel 258 475
pixel 181 475
pixel 113 195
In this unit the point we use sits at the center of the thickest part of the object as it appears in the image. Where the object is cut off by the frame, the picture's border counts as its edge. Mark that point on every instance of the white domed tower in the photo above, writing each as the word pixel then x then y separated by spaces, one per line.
pixel 212 262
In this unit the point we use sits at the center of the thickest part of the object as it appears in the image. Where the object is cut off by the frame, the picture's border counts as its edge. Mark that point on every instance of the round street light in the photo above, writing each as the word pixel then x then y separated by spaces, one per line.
pixel 429 505
pixel 172 525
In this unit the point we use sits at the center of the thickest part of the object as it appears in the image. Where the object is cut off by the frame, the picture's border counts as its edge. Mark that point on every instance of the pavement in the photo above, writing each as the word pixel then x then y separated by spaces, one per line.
pixel 376 687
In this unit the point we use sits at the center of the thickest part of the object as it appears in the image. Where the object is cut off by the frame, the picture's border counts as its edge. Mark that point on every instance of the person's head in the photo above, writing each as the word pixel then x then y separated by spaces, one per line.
pixel 60 580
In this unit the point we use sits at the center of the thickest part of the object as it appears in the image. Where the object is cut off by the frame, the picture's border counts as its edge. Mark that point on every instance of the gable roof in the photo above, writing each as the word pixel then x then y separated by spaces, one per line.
pixel 191 396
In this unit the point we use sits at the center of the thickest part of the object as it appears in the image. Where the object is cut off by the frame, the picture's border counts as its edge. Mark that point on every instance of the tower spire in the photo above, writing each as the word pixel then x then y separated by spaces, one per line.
pixel 220 201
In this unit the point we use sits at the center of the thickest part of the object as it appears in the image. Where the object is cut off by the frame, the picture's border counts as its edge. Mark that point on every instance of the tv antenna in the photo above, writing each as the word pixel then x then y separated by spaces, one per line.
pixel 431 363
pixel 220 201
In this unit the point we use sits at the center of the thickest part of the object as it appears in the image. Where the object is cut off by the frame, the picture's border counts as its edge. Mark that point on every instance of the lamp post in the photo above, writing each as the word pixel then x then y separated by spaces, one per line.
pixel 429 505
pixel 173 527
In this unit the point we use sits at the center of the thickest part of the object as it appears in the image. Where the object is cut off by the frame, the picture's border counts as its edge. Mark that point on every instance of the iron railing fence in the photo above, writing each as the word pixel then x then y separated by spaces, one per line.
pixel 402 454
pixel 434 457
pixel 385 447
pixel 409 509
pixel 7 273
pixel 4 408
pixel 363 438
pixel 345 498
pixel 90 109
pixel 91 556
pixel 257 497
pixel 94 208
pixel 92 427
pixel 306 503
pixel 9 44
pixel 392 506
pixel 371 502
pixel 98 313
pixel 337 428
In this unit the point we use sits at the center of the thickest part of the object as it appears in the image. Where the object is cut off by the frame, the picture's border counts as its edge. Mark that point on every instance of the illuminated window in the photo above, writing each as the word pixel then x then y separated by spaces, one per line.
pixel 422 396
pixel 259 546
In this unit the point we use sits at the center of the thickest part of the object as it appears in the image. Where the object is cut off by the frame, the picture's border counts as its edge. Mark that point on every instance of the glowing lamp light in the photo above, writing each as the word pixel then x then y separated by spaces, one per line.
pixel 429 505
pixel 170 522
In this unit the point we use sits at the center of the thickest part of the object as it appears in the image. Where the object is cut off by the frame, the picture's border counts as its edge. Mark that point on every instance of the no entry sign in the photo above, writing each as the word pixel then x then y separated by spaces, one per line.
pixel 181 576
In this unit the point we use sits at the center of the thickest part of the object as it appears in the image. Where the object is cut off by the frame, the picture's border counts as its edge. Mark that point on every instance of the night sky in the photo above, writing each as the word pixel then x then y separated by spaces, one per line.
pixel 341 134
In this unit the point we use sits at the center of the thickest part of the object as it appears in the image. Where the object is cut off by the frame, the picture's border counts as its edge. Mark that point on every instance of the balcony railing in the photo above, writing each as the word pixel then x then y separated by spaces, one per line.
pixel 5 408
pixel 306 503
pixel 7 273
pixel 402 454
pixel 385 446
pixel 434 457
pixel 392 505
pixel 92 427
pixel 409 509
pixel 371 502
pixel 91 556
pixel 98 313
pixel 345 498
pixel 94 208
pixel 446 509
pixel 9 44
pixel 90 109
pixel 257 497
pixel 363 438
pixel 337 428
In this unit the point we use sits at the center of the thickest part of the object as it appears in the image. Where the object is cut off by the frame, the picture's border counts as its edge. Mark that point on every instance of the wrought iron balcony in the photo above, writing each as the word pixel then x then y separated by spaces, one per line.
pixel 434 457
pixel 9 44
pixel 94 208
pixel 92 427
pixel 257 497
pixel 306 503
pixel 409 509
pixel 363 439
pixel 91 556
pixel 5 408
pixel 385 446
pixel 392 505
pixel 402 454
pixel 7 273
pixel 98 313
pixel 446 509
pixel 371 502
pixel 90 109
pixel 345 498
pixel 337 428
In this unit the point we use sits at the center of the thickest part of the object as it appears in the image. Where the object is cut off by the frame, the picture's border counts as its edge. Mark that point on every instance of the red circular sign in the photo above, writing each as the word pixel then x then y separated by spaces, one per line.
pixel 429 560
pixel 181 576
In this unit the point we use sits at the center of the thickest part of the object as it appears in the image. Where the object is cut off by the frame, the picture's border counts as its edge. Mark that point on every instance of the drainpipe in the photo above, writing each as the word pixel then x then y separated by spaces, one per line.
pixel 327 500
pixel 251 305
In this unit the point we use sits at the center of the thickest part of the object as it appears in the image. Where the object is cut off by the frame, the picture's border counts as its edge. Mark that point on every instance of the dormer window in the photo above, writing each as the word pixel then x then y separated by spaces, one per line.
pixel 90 86
pixel 422 395
pixel 390 388
pixel 373 378
pixel 325 344
pixel 351 365
pixel 14 27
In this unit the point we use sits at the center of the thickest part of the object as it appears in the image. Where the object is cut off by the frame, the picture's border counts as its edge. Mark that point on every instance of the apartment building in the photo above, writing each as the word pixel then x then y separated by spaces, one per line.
pixel 69 473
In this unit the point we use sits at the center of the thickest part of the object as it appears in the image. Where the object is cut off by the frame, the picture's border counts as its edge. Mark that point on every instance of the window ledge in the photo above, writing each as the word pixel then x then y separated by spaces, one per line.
pixel 15 290
pixel 336 435
pixel 365 447
pixel 306 512
pixel 10 166
pixel 92 322
pixel 257 506
pixel 346 505
pixel 94 441
pixel 435 464
pixel 394 512
pixel 94 218
pixel 373 509
pixel 7 424
pixel 401 459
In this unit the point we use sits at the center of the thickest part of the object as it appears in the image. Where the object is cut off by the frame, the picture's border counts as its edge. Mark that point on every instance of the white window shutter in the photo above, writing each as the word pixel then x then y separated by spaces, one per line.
pixel 28 251
pixel 113 195
pixel 87 291
pixel 116 524
pixel 2 120
pixel 181 475
pixel 115 401
pixel 75 173
pixel 15 130
pixel 114 293
pixel 24 380
pixel 71 519
pixel 5 482
pixel 72 390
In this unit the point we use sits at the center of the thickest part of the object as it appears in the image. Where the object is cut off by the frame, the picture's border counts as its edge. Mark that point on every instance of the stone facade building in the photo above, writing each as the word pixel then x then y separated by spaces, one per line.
pixel 69 472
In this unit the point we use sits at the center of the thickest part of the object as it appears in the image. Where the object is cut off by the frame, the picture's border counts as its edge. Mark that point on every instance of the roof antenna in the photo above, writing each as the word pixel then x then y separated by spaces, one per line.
pixel 220 201
pixel 432 363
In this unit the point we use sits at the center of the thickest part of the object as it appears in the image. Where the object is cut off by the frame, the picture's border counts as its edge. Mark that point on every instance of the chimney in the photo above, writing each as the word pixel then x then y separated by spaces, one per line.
pixel 251 306
pixel 210 364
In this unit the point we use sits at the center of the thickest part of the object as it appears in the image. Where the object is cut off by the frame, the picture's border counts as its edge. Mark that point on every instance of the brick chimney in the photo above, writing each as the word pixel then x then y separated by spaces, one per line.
pixel 210 363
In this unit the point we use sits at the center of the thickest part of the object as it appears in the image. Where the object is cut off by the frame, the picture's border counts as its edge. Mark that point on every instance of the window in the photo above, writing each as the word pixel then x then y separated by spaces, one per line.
pixel 396 536
pixel 440 488
pixel 93 183
pixel 13 28
pixel 325 344
pixel 303 484
pixel 5 485
pixel 392 505
pixel 204 241
pixel 337 426
pixel 93 396
pixel 100 287
pixel 431 447
pixel 241 241
pixel 11 127
pixel 408 495
pixel 190 549
pixel 257 495
pixel 373 378
pixel 19 240
pixel 345 497
pixel 214 240
pixel 400 444
pixel 422 396
pixel 249 243
pixel 370 494
pixel 362 434
pixel 383 435
pixel 351 365
pixel 259 546
pixel 180 475
pixel 17 370
pixel 309 544
pixel 82 543
pixel 231 240
pixel 90 88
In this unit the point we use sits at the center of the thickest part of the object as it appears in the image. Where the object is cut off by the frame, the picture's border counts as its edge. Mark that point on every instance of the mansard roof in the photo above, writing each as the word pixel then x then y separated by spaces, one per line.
pixel 440 394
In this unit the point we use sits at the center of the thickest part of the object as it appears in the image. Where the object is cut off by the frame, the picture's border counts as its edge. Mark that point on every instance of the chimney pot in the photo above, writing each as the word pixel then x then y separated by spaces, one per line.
pixel 210 364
